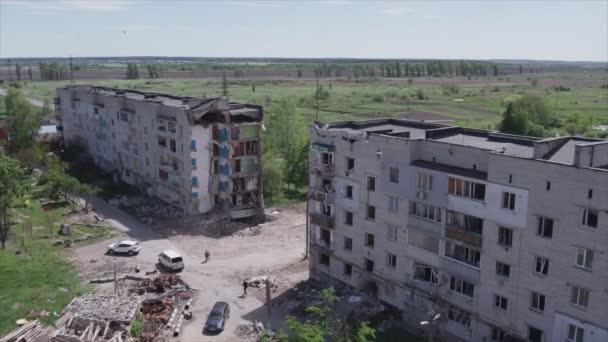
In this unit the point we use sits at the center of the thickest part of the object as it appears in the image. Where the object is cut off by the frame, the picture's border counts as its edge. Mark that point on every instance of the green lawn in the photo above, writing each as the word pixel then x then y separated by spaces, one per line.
pixel 40 278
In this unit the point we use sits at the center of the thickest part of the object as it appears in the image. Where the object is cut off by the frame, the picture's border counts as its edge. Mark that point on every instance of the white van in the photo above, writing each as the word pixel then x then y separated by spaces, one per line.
pixel 171 260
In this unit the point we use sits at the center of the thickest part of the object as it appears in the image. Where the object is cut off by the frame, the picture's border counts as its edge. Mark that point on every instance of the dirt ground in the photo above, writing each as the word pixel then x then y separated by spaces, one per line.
pixel 274 248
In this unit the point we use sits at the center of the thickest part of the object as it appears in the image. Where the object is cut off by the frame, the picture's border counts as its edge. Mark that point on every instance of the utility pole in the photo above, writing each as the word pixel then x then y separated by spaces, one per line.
pixel 317 97
pixel 10 75
pixel 268 303
pixel 71 71
pixel 224 85
pixel 307 218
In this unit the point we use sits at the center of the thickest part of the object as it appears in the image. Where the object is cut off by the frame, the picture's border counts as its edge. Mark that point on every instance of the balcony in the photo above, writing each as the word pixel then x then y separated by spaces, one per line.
pixel 464 236
pixel 322 220
pixel 325 246
pixel 322 194
pixel 325 170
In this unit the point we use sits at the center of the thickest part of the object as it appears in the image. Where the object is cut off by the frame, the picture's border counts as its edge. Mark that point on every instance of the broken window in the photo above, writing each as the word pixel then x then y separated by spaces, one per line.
pixel 251 147
pixel 124 116
pixel 326 209
pixel 393 176
pixel 501 302
pixel 464 188
pixel 575 333
pixel 498 334
pixel 348 243
pixel 161 126
pixel 541 265
pixel 348 270
pixel 505 236
pixel 426 273
pixel 216 167
pixel 425 211
pixel 369 240
pixel 425 182
pixel 461 253
pixel 162 141
pixel 465 222
pixel 193 145
pixel 459 316
pixel 393 204
pixel 371 183
pixel 172 145
pixel 462 286
pixel 369 265
pixel 348 218
pixel 371 212
pixel 579 296
pixel 237 165
pixel 423 240
pixel 502 269
pixel 545 227
pixel 193 162
pixel 194 181
pixel 327 158
pixel 391 260
pixel 324 259
pixel 508 200
pixel 590 218
pixel 350 163
pixel 391 232
pixel 584 258
pixel 535 334
pixel 348 191
pixel 537 302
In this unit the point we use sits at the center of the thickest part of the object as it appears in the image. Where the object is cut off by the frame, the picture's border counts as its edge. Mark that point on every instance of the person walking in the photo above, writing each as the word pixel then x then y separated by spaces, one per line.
pixel 245 286
pixel 207 255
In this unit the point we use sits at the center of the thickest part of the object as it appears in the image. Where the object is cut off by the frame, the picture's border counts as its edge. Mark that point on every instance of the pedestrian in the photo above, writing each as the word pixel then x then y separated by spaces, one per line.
pixel 245 285
pixel 207 254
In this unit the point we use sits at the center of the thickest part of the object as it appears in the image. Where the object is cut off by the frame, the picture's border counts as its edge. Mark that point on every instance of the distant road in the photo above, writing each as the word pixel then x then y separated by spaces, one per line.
pixel 34 102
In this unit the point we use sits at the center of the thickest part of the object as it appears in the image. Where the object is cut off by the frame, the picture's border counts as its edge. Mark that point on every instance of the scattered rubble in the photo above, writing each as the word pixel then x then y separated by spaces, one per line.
pixel 251 331
pixel 101 307
pixel 30 331
pixel 260 282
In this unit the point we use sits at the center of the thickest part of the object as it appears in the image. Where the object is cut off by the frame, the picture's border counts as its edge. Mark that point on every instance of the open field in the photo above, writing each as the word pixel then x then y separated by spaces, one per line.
pixel 477 102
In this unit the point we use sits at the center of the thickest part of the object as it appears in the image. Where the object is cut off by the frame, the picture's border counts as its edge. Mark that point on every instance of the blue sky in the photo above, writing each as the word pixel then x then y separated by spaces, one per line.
pixel 573 30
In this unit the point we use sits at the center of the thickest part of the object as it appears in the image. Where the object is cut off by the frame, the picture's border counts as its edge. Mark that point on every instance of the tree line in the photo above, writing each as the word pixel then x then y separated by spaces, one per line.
pixel 53 71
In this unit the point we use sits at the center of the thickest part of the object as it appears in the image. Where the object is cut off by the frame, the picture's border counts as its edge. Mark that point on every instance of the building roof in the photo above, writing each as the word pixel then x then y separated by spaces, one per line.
pixel 508 148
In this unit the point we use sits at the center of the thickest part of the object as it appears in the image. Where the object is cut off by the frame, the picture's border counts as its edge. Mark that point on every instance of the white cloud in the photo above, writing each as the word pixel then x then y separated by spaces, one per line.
pixel 397 10
pixel 39 7
pixel 431 16
pixel 255 4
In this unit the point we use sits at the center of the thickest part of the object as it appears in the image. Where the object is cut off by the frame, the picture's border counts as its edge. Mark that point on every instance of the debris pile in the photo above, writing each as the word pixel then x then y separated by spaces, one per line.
pixel 99 307
pixel 251 331
pixel 162 283
pixel 157 310
pixel 260 282
pixel 30 331
pixel 72 328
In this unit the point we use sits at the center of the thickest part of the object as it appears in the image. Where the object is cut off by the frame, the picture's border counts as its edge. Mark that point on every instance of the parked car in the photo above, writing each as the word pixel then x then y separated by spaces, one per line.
pixel 126 247
pixel 171 260
pixel 216 320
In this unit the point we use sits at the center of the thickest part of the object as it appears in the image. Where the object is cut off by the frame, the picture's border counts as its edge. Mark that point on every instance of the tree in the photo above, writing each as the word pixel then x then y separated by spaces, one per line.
pixel 253 88
pixel 526 115
pixel 46 108
pixel 11 192
pixel 29 73
pixel 521 69
pixel 24 122
pixel 296 164
pixel 30 155
pixel 273 175
pixel 18 71
pixel 325 324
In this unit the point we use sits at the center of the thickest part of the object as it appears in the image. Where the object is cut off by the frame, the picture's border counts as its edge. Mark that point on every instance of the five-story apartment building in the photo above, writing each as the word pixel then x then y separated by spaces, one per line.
pixel 505 236
pixel 201 155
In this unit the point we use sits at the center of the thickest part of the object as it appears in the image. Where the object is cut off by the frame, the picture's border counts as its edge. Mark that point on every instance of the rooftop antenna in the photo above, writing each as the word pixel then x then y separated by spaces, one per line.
pixel 224 85
pixel 317 97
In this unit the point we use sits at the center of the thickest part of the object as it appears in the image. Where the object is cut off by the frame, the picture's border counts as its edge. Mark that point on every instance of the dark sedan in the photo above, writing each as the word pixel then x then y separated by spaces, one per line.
pixel 216 320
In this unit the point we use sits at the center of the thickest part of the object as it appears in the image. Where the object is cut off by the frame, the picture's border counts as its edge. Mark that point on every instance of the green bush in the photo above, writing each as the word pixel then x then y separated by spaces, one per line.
pixel 137 326
pixel 378 99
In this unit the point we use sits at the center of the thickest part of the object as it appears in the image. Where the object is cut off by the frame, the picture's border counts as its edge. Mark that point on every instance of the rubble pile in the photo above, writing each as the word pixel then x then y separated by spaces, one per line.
pixel 260 282
pixel 161 284
pixel 251 331
pixel 30 331
pixel 157 310
pixel 99 307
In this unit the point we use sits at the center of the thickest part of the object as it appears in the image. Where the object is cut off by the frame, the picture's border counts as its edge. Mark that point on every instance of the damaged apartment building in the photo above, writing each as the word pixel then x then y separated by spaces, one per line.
pixel 505 236
pixel 200 155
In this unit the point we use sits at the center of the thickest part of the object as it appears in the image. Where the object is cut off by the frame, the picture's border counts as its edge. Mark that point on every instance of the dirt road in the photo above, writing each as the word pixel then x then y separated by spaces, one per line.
pixel 274 248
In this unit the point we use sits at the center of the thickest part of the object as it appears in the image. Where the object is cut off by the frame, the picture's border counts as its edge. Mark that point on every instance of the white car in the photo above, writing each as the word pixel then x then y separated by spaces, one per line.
pixel 171 260
pixel 127 246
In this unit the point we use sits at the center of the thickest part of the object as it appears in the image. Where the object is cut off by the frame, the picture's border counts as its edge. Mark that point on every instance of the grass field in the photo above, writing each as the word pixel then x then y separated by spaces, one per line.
pixel 477 103
pixel 40 278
